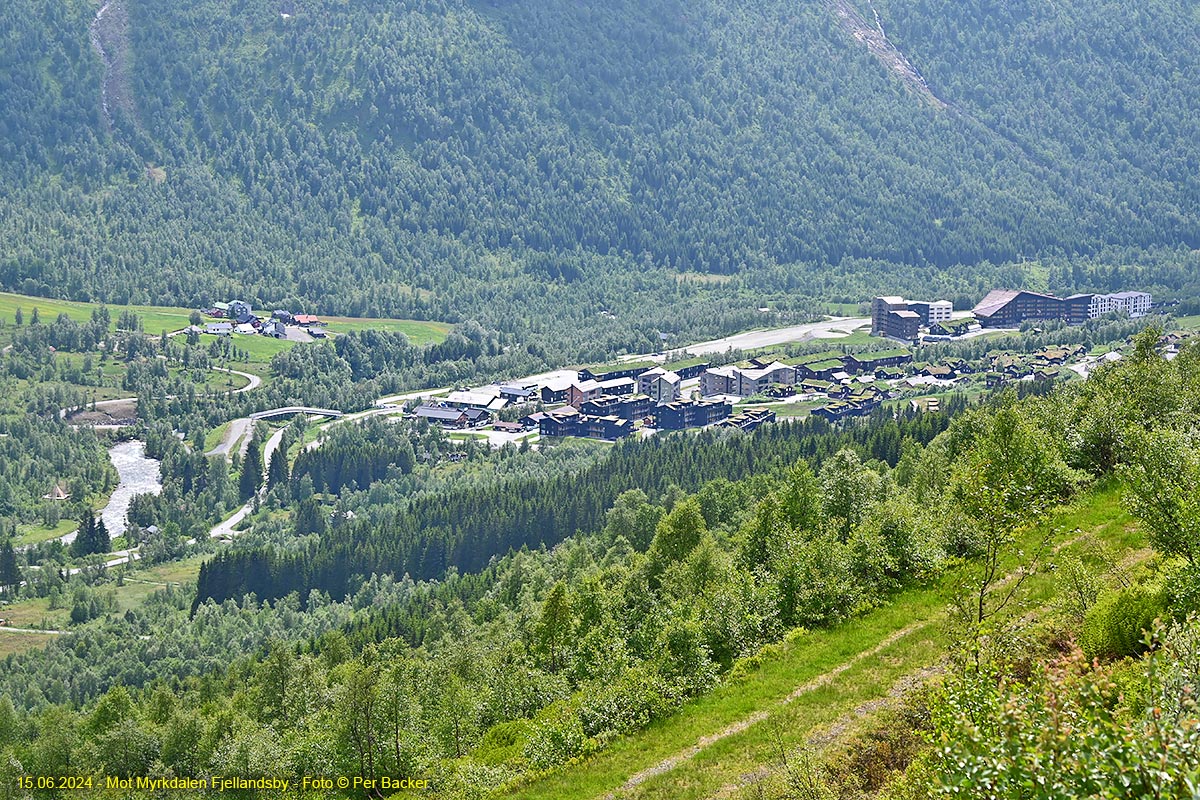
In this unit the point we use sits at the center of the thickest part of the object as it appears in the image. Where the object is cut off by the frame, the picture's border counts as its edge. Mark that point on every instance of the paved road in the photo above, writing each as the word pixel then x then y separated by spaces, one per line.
pixel 827 329
pixel 236 431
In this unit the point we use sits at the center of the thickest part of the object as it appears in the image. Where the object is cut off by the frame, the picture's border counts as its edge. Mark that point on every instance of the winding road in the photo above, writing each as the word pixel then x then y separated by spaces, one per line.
pixel 253 382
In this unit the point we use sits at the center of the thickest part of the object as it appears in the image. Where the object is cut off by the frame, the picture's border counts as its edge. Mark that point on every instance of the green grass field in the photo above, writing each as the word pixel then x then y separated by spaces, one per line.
pixel 36 613
pixel 214 437
pixel 419 332
pixel 261 349
pixel 34 534
pixel 138 585
pixel 811 686
pixel 13 642
pixel 156 319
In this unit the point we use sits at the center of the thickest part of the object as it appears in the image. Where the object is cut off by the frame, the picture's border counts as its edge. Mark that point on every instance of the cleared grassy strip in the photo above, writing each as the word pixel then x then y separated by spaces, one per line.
pixel 801 659
pixel 731 763
pixel 914 617
pixel 1096 519
pixel 215 436
pixel 419 332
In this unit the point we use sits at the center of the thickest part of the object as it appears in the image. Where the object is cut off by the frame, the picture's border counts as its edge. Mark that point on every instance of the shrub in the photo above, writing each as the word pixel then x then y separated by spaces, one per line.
pixel 1115 626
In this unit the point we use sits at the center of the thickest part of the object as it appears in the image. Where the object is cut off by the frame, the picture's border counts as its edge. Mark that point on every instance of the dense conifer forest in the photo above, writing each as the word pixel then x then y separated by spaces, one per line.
pixel 446 159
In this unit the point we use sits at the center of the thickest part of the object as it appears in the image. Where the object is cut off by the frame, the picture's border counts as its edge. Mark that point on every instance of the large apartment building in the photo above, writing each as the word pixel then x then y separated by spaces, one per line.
pixel 897 318
pixel 1008 308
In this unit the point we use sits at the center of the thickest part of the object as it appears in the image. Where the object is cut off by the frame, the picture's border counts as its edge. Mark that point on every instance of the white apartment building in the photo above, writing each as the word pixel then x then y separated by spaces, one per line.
pixel 1135 304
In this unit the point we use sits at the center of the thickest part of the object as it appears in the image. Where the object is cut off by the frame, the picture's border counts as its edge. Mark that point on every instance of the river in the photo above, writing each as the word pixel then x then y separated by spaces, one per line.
pixel 139 475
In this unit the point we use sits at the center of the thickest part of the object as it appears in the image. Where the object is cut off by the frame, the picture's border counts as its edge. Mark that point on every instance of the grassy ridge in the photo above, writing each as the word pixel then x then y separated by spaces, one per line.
pixel 867 656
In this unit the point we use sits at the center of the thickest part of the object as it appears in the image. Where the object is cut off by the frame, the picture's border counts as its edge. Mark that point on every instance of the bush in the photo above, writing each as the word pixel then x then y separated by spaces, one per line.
pixel 628 704
pixel 1115 626
pixel 556 737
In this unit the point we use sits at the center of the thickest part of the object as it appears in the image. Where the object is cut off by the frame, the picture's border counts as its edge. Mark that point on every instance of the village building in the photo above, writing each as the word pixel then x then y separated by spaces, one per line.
pixel 600 374
pixel 1007 308
pixel 482 400
pixel 684 414
pixel 665 388
pixel 618 386
pixel 749 419
pixel 556 392
pixel 631 408
pixel 518 394
pixel 446 417
pixel 579 393
pixel 870 362
pixel 568 421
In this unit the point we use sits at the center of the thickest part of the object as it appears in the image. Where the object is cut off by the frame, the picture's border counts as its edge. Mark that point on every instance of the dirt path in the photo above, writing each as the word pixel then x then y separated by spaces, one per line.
pixel 826 678
pixel 7 629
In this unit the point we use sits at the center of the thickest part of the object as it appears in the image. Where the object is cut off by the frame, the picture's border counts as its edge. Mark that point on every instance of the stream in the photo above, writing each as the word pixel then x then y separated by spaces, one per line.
pixel 94 35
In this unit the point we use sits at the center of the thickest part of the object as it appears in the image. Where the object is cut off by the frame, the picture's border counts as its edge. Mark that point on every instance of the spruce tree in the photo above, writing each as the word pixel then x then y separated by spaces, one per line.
pixel 278 471
pixel 251 469
pixel 85 536
pixel 10 571
pixel 101 542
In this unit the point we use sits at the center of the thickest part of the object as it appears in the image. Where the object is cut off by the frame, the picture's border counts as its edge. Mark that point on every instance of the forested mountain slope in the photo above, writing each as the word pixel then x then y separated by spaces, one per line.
pixel 448 158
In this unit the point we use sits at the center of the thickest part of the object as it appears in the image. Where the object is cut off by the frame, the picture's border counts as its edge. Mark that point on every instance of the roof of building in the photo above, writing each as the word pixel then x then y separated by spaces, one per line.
pixel 906 314
pixel 996 299
pixel 756 374
pixel 669 377
pixel 813 358
pixel 610 384
pixel 587 386
pixel 480 399
pixel 881 355
pixel 434 412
